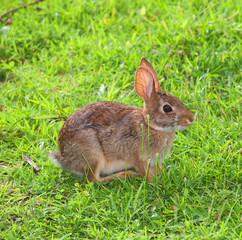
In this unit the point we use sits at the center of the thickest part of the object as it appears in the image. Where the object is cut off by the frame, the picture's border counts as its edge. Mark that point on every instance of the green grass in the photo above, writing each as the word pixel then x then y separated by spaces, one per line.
pixel 66 54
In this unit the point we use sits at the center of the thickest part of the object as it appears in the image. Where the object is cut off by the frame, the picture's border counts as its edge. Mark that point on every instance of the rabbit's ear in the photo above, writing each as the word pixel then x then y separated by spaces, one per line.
pixel 144 84
pixel 145 64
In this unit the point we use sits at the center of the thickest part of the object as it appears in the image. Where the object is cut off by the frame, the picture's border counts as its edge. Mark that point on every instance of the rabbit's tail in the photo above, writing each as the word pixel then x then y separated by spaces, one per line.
pixel 55 157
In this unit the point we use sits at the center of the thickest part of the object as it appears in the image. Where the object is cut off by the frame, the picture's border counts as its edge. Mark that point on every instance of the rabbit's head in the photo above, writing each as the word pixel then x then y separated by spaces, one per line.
pixel 167 113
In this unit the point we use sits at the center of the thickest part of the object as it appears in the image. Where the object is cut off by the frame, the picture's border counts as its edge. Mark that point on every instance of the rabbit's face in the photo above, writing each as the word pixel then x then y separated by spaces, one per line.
pixel 168 113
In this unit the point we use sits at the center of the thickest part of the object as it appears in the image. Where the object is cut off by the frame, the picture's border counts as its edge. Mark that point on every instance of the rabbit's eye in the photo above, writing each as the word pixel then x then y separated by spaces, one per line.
pixel 167 108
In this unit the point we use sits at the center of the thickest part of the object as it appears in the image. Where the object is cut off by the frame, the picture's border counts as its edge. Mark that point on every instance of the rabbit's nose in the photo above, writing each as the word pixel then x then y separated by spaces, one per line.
pixel 190 118
pixel 189 121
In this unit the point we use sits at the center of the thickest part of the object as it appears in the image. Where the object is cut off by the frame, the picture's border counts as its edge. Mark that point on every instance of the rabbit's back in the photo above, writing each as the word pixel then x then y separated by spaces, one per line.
pixel 99 115
pixel 114 124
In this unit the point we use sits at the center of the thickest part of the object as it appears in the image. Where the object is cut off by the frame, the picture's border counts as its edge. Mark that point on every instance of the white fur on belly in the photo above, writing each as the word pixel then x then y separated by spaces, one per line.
pixel 113 167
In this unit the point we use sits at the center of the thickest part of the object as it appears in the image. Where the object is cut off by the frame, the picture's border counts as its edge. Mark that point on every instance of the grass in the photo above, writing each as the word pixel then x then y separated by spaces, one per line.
pixel 60 55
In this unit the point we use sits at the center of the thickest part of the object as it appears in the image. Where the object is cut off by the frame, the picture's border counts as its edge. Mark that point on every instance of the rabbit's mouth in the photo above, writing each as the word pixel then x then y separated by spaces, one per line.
pixel 189 122
pixel 184 124
pixel 180 128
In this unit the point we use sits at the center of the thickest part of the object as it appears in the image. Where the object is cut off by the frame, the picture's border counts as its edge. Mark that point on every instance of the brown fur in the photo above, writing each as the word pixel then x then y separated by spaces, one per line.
pixel 106 137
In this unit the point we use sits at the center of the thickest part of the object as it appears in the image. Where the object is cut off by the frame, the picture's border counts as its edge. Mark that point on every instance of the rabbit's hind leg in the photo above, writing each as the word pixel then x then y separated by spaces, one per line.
pixel 123 174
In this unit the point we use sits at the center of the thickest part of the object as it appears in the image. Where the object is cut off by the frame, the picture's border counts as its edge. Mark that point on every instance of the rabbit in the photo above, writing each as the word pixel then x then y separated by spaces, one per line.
pixel 103 140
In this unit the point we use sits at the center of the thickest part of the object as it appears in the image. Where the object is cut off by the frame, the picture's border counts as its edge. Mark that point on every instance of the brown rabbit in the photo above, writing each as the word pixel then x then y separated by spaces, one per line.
pixel 103 138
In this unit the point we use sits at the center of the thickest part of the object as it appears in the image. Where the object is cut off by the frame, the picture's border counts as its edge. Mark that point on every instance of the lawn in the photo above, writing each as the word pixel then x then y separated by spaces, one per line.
pixel 56 56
